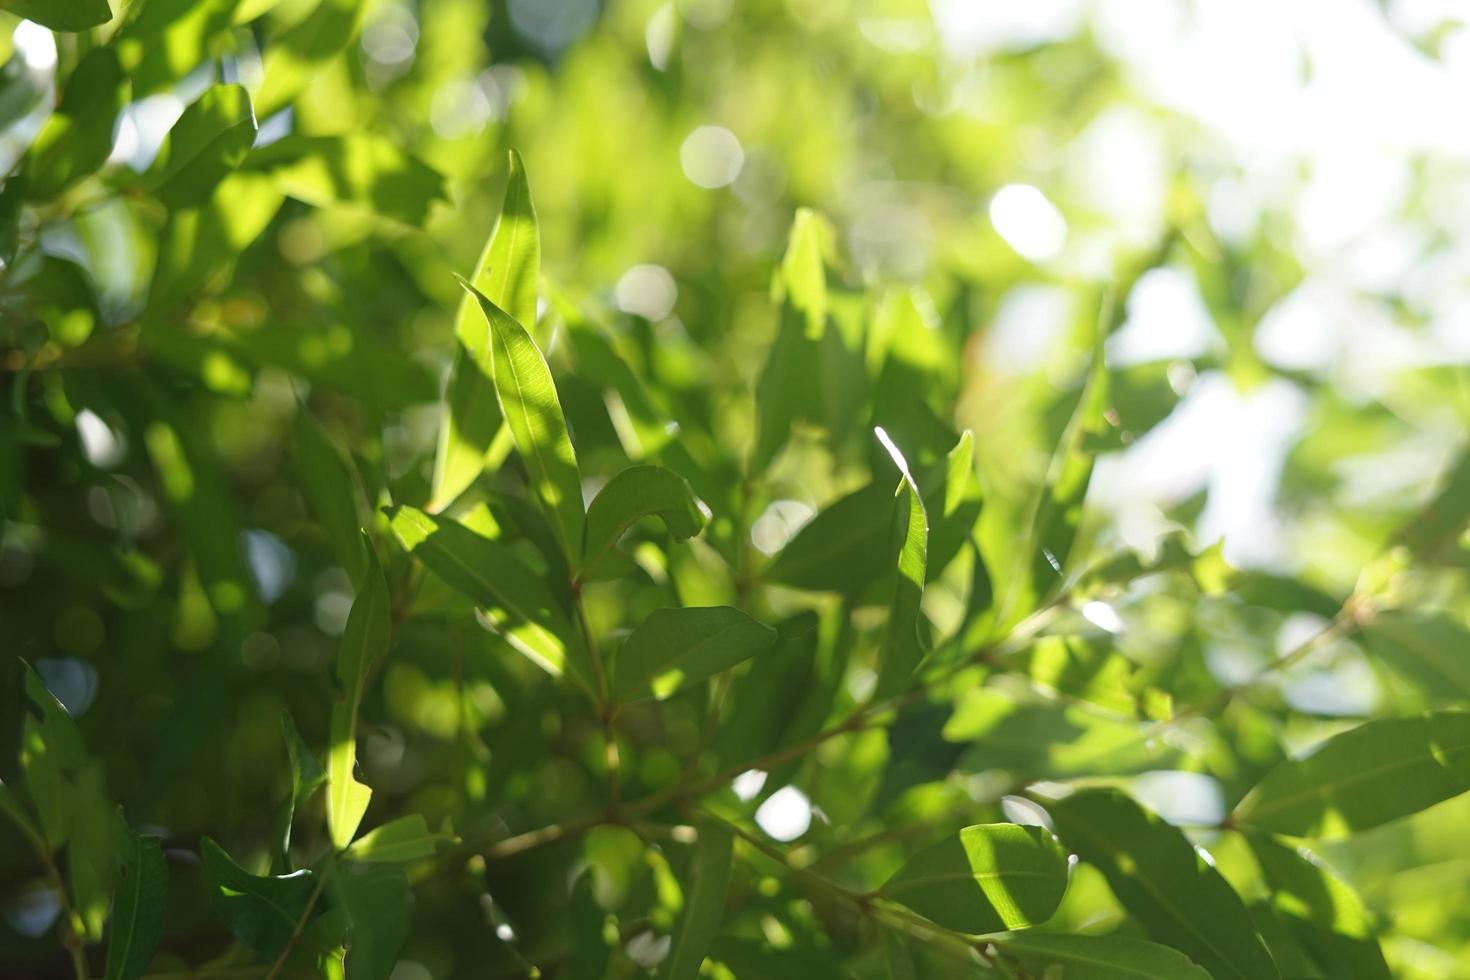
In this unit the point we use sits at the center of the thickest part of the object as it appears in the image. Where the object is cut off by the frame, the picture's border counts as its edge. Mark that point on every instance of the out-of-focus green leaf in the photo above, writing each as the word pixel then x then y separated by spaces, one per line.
pixel 843 549
pixel 986 878
pixel 170 38
pixel 508 272
pixel 307 776
pixel 493 577
pixel 632 494
pixel 13 709
pixel 903 648
pixel 354 169
pixel 295 56
pixel 1075 957
pixel 262 912
pixel 1161 879
pixel 139 906
pixel 62 15
pixel 1380 771
pixel 78 137
pixel 405 839
pixel 767 699
pixel 199 243
pixel 674 648
pixel 91 853
pixel 330 488
pixel 1429 650
pixel 704 909
pixel 380 906
pixel 528 400
pixel 1438 525
pixel 210 139
pixel 364 642
pixel 1322 910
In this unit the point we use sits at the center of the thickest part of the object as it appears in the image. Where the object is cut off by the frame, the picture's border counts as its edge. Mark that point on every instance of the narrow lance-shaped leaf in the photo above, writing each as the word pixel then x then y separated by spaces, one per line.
pixel 330 488
pixel 903 648
pixel 262 912
pixel 528 400
pixel 1099 958
pixel 1160 878
pixel 508 273
pixel 987 878
pixel 307 776
pixel 78 136
pixel 687 645
pixel 1377 772
pixel 138 905
pixel 1321 910
pixel 704 909
pixel 635 493
pixel 494 577
pixel 210 139
pixel 379 905
pixel 364 641
pixel 405 839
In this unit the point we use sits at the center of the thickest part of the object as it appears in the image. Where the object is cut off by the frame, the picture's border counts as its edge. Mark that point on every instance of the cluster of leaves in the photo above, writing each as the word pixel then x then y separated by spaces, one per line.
pixel 663 654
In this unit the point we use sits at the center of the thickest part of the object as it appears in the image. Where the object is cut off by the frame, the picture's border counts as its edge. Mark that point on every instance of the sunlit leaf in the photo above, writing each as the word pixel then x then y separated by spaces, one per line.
pixel 364 642
pixel 704 905
pixel 686 646
pixel 405 839
pixel 528 400
pixel 1099 958
pixel 78 136
pixel 1380 771
pixel 632 494
pixel 507 272
pixel 357 170
pixel 986 878
pixel 903 648
pixel 295 56
pixel 210 139
pixel 1159 877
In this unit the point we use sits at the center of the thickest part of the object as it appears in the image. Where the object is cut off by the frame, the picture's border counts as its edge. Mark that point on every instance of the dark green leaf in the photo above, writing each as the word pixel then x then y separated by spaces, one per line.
pixel 1161 879
pixel 635 493
pixel 331 490
pixel 62 15
pixel 307 776
pixel 1099 958
pixel 262 912
pixel 380 906
pixel 358 170
pixel 903 648
pixel 139 905
pixel 704 904
pixel 1377 772
pixel 987 878
pixel 679 647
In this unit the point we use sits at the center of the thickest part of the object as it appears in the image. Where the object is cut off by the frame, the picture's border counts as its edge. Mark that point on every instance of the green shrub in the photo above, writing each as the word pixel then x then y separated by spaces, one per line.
pixel 769 638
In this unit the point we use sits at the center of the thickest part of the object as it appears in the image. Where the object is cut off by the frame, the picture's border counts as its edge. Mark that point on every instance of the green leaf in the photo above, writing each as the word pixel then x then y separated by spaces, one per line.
pixel 379 904
pixel 680 647
pixel 1099 958
pixel 704 909
pixel 405 839
pixel 78 136
pixel 514 596
pixel 14 704
pixel 1439 524
pixel 296 55
pixel 199 244
pixel 1426 649
pixel 364 642
pixel 330 486
pixel 528 400
pixel 903 648
pixel 1161 879
pixel 210 139
pixel 1377 772
pixel 1321 910
pixel 986 878
pixel 635 493
pixel 139 904
pixel 262 912
pixel 766 700
pixel 71 16
pixel 91 854
pixel 843 549
pixel 162 41
pixel 307 776
pixel 508 272
pixel 358 170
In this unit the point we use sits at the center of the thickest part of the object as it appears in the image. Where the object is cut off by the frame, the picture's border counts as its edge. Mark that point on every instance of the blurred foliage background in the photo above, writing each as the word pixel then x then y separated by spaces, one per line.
pixel 1267 198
